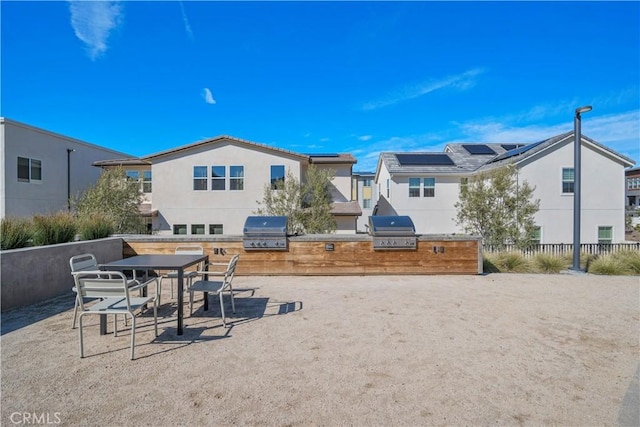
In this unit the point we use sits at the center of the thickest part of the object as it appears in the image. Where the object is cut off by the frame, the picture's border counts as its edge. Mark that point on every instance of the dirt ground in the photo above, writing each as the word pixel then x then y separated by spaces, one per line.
pixel 499 349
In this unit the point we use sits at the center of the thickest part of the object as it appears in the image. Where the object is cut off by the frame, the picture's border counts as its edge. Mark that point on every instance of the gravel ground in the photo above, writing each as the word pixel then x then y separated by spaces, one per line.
pixel 499 349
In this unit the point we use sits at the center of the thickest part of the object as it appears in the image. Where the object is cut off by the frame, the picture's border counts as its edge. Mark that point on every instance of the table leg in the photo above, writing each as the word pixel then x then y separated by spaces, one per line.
pixel 180 299
pixel 103 324
pixel 206 294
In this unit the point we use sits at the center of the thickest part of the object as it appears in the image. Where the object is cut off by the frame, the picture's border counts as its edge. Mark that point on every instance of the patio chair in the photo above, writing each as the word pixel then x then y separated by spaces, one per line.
pixel 84 262
pixel 188 275
pixel 113 289
pixel 216 286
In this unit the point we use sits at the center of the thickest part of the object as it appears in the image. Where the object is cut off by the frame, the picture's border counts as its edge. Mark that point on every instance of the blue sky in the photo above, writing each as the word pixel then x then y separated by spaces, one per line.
pixel 359 77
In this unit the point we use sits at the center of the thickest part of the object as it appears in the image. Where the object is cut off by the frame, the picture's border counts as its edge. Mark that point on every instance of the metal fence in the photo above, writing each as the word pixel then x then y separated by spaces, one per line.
pixel 563 248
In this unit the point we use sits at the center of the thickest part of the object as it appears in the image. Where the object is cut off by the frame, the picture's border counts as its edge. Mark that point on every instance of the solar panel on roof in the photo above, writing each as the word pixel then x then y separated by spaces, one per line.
pixel 478 149
pixel 511 146
pixel 516 151
pixel 424 160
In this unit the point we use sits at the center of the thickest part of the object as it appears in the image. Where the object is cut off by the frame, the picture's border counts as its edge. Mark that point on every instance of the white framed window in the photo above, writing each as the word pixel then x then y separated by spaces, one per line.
pixel 366 182
pixel 536 235
pixel 146 181
pixel 132 175
pixel 568 181
pixel 429 187
pixel 197 228
pixel 388 187
pixel 605 234
pixel 277 176
pixel 464 183
pixel 366 203
pixel 236 178
pixel 29 170
pixel 414 187
pixel 199 178
pixel 218 178
pixel 180 229
pixel 215 229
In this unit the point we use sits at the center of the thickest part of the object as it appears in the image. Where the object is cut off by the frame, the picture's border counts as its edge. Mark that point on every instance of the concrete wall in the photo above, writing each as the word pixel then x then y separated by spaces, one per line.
pixel 32 275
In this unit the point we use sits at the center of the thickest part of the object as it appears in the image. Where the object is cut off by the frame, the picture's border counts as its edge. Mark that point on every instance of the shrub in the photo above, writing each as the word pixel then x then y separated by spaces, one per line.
pixel 629 259
pixel 546 263
pixel 55 228
pixel 16 233
pixel 95 226
pixel 607 265
pixel 511 262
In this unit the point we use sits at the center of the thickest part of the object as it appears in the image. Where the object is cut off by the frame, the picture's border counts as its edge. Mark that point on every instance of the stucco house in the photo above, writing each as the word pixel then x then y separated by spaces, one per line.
pixel 41 170
pixel 366 193
pixel 426 186
pixel 212 186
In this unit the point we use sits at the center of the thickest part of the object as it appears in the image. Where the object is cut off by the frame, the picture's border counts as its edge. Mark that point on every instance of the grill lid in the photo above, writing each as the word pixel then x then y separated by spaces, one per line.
pixel 391 225
pixel 266 225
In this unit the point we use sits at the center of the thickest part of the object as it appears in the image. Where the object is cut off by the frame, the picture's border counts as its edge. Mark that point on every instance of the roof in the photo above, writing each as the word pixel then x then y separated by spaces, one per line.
pixel 346 209
pixel 226 138
pixel 332 158
pixel 469 158
pixel 122 162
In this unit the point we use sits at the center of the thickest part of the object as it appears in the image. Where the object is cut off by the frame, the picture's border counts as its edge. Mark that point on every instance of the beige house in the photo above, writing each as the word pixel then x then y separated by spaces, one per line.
pixel 42 170
pixel 212 186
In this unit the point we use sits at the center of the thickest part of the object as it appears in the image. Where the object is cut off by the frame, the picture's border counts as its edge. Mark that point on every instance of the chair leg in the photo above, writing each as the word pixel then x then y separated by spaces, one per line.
pixel 233 304
pixel 159 289
pixel 80 334
pixel 190 303
pixel 155 318
pixel 224 323
pixel 75 314
pixel 133 334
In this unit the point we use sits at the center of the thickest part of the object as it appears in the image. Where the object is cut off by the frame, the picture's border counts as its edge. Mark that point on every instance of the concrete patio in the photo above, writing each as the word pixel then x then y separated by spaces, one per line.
pixel 501 349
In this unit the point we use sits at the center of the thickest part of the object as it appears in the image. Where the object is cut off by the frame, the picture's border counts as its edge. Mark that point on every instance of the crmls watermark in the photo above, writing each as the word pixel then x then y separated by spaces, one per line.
pixel 29 418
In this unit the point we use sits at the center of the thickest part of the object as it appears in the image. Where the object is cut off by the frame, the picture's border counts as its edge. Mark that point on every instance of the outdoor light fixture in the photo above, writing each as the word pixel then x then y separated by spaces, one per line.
pixel 577 138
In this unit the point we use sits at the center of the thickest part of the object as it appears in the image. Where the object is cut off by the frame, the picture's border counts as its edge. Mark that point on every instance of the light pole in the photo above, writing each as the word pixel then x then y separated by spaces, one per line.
pixel 69 151
pixel 577 138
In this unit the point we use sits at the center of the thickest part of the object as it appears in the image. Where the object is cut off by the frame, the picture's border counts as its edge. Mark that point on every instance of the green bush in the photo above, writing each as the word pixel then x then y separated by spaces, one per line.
pixel 629 259
pixel 546 263
pixel 54 228
pixel 15 233
pixel 506 262
pixel 607 265
pixel 95 226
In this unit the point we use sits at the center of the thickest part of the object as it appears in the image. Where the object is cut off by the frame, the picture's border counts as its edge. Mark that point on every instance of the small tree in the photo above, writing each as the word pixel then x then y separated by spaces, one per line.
pixel 308 205
pixel 116 198
pixel 494 206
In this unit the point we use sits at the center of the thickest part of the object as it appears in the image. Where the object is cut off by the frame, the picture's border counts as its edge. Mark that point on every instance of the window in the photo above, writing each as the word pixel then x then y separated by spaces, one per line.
pixel 146 181
pixel 218 176
pixel 197 228
pixel 29 169
pixel 277 176
pixel 567 180
pixel 464 183
pixel 414 187
pixel 199 178
pixel 366 182
pixel 132 176
pixel 236 177
pixel 180 229
pixel 605 234
pixel 388 187
pixel 429 187
pixel 215 229
pixel 536 235
pixel 366 203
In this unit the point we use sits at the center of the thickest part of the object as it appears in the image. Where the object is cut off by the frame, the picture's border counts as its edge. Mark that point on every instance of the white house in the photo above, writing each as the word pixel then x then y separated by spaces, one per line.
pixel 211 186
pixel 426 186
pixel 41 170
pixel 366 193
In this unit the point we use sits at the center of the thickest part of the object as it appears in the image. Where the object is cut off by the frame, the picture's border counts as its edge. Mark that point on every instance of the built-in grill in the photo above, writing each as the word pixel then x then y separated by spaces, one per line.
pixel 265 233
pixel 392 232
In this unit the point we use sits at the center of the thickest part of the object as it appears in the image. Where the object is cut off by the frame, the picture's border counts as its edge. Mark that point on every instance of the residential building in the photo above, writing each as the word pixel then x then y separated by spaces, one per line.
pixel 366 193
pixel 426 186
pixel 41 170
pixel 212 186
pixel 632 177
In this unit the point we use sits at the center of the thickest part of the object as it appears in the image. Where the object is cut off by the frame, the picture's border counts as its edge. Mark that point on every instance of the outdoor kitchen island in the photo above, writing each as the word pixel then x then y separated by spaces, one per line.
pixel 327 254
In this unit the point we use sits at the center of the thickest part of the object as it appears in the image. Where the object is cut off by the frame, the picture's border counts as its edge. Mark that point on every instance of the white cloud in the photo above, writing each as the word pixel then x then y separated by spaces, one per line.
pixel 365 137
pixel 93 22
pixel 462 81
pixel 187 26
pixel 208 96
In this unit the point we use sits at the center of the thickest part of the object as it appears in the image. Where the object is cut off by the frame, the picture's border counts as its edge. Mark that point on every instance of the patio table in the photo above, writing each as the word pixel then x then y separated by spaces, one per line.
pixel 161 262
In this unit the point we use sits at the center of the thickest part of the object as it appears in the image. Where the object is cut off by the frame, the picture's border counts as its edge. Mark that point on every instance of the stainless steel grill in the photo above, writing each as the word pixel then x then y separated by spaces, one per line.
pixel 264 233
pixel 392 232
